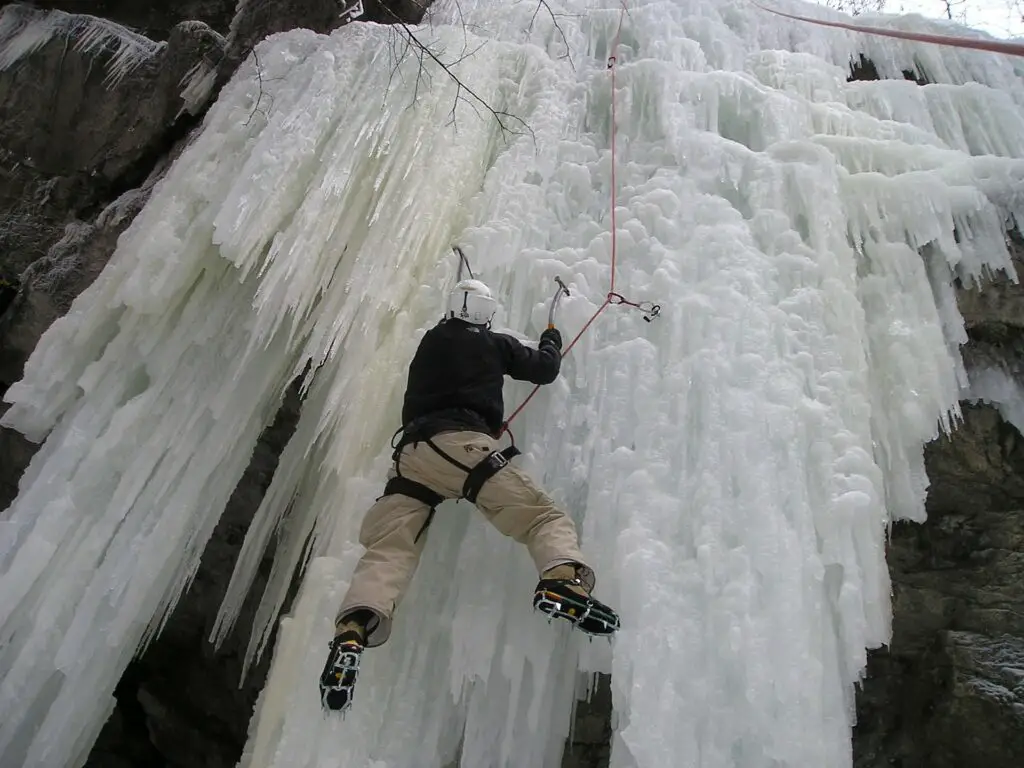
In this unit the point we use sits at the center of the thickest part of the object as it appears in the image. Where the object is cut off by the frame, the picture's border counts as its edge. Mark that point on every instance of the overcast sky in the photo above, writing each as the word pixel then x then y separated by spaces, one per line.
pixel 992 16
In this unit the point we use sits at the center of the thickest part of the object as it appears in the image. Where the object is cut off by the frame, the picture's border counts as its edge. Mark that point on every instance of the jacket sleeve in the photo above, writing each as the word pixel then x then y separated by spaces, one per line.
pixel 537 366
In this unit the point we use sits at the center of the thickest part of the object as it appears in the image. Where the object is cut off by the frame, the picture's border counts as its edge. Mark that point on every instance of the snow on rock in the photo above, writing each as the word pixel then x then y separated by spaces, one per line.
pixel 732 466
pixel 24 29
pixel 196 87
pixel 1003 390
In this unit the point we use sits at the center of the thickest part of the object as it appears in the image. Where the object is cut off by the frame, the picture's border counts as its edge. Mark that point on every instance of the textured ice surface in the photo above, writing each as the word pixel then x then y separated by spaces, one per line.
pixel 197 85
pixel 24 29
pixel 732 466
pixel 1003 390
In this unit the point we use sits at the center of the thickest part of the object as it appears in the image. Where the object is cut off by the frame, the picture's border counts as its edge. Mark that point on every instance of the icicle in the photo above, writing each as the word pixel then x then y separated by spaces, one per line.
pixel 732 469
pixel 24 29
pixel 1003 390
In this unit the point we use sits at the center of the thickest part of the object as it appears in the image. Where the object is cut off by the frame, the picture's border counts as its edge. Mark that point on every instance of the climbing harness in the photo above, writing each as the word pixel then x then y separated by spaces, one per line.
pixel 476 475
pixel 497 460
pixel 403 486
pixel 994 46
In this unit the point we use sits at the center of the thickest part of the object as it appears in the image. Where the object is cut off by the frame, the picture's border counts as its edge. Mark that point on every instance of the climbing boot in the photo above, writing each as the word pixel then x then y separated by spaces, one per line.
pixel 338 680
pixel 560 593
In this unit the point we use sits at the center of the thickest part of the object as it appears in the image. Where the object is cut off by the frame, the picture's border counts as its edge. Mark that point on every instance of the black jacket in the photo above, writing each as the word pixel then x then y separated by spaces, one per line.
pixel 456 377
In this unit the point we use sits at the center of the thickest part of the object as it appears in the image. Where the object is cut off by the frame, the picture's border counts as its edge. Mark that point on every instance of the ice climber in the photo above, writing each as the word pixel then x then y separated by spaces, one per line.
pixel 452 416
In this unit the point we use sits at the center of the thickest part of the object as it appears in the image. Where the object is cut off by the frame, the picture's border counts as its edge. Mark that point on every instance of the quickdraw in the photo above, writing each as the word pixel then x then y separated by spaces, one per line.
pixel 649 309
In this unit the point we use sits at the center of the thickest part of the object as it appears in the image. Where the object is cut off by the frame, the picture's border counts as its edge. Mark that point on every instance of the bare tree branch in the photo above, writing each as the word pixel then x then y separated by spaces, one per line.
pixel 421 72
pixel 855 7
pixel 261 80
pixel 259 77
pixel 504 119
pixel 465 55
pixel 462 20
pixel 396 59
pixel 955 10
pixel 558 27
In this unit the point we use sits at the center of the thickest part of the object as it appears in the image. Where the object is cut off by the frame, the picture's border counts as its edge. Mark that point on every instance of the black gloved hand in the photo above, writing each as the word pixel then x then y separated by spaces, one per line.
pixel 552 336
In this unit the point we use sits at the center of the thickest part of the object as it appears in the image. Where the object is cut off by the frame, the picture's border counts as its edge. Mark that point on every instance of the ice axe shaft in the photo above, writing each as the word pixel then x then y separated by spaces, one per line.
pixel 463 262
pixel 562 291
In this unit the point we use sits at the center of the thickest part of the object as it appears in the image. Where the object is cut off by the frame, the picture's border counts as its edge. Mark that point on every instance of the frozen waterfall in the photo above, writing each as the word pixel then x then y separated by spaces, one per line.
pixel 732 466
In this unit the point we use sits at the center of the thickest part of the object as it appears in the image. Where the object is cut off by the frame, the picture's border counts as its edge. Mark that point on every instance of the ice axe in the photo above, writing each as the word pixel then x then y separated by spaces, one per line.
pixel 463 262
pixel 562 291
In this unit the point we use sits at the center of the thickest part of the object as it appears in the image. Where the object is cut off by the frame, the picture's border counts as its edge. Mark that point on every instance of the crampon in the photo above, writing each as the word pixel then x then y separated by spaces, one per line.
pixel 557 599
pixel 337 682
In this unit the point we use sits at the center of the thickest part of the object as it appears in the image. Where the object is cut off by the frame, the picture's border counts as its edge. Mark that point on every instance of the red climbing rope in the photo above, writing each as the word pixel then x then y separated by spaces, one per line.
pixel 611 72
pixel 652 310
pixel 612 297
pixel 1014 49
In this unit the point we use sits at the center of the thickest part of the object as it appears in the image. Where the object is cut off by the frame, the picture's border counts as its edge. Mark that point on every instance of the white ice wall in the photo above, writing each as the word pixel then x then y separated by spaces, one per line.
pixel 732 466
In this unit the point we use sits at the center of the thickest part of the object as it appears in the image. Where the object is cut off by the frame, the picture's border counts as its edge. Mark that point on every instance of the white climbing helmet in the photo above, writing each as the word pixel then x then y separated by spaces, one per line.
pixel 471 301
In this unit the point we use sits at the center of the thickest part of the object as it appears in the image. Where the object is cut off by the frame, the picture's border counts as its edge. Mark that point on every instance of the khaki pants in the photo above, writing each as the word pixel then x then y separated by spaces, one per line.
pixel 509 500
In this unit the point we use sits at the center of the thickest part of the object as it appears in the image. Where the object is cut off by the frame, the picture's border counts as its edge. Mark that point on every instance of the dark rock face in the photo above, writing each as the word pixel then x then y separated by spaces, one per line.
pixel 78 158
pixel 50 284
pixel 958 612
pixel 70 148
pixel 948 692
pixel 987 691
pixel 183 703
pixel 260 18
pixel 153 19
pixel 589 745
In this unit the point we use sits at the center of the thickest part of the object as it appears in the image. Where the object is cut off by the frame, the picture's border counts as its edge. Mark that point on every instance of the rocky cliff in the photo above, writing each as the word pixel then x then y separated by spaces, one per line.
pixel 84 135
pixel 949 690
